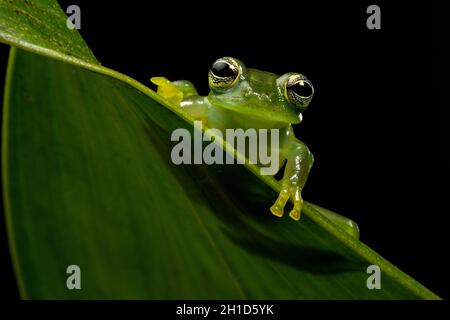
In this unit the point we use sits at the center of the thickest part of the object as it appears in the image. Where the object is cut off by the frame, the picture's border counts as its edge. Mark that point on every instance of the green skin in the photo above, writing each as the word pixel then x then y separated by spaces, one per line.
pixel 258 99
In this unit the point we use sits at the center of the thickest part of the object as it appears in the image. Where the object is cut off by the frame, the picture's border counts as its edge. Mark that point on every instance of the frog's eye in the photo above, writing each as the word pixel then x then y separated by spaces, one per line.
pixel 223 73
pixel 298 90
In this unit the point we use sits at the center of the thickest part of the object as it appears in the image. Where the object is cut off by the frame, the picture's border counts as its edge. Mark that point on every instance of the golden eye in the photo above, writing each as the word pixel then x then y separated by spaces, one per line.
pixel 299 90
pixel 223 73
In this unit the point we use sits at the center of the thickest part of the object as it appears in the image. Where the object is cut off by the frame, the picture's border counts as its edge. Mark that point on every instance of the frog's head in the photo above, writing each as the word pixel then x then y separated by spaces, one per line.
pixel 258 93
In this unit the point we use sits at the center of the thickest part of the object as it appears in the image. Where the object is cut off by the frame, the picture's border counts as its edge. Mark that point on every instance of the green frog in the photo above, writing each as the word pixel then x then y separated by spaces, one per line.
pixel 242 97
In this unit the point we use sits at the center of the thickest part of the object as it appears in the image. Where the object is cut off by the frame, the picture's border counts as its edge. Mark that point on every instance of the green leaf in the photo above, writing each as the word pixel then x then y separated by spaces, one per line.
pixel 41 26
pixel 88 180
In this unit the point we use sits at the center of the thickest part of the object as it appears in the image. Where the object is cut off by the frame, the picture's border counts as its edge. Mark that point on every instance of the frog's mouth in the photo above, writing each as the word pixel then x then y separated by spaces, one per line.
pixel 263 111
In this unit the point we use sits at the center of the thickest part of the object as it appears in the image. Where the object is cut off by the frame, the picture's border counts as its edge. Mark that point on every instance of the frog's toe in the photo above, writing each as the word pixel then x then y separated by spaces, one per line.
pixel 278 207
pixel 298 205
pixel 295 214
pixel 277 210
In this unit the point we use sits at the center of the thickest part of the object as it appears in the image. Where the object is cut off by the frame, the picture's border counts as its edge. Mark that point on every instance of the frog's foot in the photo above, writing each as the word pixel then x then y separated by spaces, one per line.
pixel 298 204
pixel 278 207
pixel 167 90
pixel 286 193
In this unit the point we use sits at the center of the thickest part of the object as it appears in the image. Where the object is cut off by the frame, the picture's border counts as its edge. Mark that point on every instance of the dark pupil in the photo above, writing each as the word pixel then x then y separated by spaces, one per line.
pixel 302 89
pixel 223 70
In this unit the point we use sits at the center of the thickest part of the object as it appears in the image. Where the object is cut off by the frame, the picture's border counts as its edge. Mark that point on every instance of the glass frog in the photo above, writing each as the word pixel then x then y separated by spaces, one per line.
pixel 245 98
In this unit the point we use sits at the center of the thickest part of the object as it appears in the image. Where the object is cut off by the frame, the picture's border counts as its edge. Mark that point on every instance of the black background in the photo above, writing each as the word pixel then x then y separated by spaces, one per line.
pixel 373 124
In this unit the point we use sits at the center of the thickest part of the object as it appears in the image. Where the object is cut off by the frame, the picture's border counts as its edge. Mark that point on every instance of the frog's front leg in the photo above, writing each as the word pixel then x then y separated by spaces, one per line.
pixel 299 163
pixel 183 94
